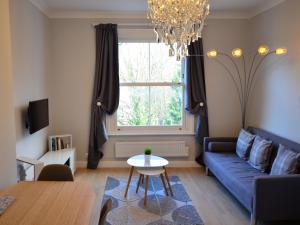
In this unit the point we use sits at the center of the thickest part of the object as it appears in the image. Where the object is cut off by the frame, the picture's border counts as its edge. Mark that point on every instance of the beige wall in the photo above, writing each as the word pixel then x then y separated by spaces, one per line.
pixel 72 75
pixel 7 134
pixel 223 104
pixel 276 100
pixel 30 42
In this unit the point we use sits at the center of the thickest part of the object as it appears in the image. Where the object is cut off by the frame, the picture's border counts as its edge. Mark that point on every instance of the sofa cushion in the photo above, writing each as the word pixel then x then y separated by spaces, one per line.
pixel 286 162
pixel 235 174
pixel 244 144
pixel 260 154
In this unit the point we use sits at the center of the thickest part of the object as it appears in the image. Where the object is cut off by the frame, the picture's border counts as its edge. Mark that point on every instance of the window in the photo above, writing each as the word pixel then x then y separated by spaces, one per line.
pixel 151 90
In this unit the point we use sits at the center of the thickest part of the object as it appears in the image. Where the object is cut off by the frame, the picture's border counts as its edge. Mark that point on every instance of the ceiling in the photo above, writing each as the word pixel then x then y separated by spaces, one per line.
pixel 224 6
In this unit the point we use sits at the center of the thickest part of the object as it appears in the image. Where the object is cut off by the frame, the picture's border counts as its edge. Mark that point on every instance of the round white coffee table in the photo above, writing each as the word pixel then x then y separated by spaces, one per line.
pixel 148 165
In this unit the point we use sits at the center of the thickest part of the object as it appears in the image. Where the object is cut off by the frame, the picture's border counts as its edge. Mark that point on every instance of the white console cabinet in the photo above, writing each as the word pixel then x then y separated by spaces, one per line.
pixel 64 157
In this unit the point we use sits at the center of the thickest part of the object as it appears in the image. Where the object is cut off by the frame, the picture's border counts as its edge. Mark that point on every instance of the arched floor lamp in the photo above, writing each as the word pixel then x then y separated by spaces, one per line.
pixel 244 80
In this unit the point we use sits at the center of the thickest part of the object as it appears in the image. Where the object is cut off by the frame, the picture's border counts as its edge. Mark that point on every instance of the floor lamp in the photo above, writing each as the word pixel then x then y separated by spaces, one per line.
pixel 244 81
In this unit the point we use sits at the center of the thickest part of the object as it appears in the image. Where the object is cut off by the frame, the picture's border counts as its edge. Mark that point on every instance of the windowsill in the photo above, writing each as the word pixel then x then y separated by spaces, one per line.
pixel 169 133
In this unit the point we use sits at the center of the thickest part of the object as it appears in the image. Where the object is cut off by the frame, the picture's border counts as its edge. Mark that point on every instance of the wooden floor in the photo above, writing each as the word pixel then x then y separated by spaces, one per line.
pixel 213 202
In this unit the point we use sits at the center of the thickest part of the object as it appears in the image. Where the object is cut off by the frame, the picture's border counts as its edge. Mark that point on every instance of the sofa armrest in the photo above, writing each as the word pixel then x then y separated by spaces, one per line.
pixel 220 144
pixel 277 198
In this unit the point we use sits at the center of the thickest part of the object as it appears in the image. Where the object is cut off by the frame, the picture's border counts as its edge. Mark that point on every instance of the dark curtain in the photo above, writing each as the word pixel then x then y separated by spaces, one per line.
pixel 106 89
pixel 195 93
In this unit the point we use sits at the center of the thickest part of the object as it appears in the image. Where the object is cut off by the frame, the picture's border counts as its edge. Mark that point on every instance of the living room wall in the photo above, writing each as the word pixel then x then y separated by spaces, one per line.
pixel 275 104
pixel 7 135
pixel 54 58
pixel 30 45
pixel 72 75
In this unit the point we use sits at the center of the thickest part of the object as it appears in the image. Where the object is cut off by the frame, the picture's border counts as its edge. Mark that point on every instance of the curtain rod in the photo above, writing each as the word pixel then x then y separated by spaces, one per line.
pixel 130 25
pixel 133 25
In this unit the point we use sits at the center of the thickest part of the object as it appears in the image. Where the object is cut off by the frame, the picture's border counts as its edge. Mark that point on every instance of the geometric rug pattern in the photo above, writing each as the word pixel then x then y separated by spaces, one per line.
pixel 160 210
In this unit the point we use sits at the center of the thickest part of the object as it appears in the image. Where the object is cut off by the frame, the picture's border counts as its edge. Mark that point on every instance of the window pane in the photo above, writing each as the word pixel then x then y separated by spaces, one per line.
pixel 166 106
pixel 134 106
pixel 150 106
pixel 134 62
pixel 163 68
pixel 147 62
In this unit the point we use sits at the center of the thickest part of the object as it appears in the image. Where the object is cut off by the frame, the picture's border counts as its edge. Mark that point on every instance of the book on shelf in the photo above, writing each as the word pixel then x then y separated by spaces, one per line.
pixel 60 142
pixel 53 144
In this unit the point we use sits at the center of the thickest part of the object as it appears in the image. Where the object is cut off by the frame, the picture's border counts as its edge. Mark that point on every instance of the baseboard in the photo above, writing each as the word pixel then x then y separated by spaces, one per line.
pixel 123 164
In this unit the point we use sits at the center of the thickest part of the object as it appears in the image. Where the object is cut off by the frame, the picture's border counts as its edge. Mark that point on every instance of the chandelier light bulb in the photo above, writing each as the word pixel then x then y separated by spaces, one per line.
pixel 171 51
pixel 281 51
pixel 212 53
pixel 237 52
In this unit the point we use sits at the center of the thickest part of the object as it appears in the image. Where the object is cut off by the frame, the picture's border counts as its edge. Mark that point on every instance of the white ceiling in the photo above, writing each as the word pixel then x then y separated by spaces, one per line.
pixel 224 6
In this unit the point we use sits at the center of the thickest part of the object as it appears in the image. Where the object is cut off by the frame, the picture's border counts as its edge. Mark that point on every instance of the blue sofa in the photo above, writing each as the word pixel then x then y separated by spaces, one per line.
pixel 267 198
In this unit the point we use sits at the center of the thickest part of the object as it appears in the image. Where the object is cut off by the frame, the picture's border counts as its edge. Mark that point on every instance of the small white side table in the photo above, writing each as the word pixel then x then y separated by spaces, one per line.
pixel 148 165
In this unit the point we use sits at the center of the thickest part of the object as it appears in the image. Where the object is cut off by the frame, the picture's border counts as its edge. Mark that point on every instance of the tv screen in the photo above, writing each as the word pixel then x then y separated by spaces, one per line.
pixel 38 115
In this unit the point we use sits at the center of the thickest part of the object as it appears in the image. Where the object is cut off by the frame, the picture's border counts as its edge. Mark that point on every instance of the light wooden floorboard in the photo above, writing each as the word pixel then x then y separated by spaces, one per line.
pixel 213 202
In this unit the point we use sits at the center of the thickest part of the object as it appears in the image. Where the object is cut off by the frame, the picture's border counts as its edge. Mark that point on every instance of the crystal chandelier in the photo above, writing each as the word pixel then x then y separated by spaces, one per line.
pixel 178 22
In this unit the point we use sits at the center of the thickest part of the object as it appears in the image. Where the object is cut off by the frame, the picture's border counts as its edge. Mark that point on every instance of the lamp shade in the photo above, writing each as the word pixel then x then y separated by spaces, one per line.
pixel 237 52
pixel 212 53
pixel 263 50
pixel 281 51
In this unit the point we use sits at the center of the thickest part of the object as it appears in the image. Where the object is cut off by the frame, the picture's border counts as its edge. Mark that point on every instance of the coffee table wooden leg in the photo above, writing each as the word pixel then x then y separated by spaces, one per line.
pixel 129 179
pixel 146 190
pixel 164 183
pixel 138 184
pixel 166 175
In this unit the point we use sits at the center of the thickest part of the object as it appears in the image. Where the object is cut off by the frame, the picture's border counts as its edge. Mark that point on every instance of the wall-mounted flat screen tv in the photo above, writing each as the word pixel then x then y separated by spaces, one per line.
pixel 38 115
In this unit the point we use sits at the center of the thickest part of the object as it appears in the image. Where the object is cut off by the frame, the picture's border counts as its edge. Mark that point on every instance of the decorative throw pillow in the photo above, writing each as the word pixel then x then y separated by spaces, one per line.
pixel 286 162
pixel 244 144
pixel 260 154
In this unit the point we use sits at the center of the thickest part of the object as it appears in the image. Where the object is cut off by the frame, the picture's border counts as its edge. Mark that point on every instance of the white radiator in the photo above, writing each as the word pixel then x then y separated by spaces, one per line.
pixel 161 148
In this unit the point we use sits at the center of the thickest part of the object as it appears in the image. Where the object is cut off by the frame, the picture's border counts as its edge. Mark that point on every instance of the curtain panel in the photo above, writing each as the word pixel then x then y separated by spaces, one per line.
pixel 105 100
pixel 195 93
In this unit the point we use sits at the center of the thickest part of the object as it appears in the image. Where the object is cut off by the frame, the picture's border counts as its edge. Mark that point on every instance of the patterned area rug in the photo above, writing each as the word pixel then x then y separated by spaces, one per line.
pixel 160 209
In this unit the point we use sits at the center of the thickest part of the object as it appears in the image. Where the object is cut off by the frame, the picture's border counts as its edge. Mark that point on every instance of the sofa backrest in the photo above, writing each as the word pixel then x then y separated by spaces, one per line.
pixel 275 139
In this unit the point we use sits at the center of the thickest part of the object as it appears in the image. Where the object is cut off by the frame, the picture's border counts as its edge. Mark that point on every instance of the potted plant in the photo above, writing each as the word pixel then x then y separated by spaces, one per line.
pixel 147 152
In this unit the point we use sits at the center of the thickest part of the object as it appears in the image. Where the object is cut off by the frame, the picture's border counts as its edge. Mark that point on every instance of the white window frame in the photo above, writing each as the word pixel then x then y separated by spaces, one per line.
pixel 187 127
